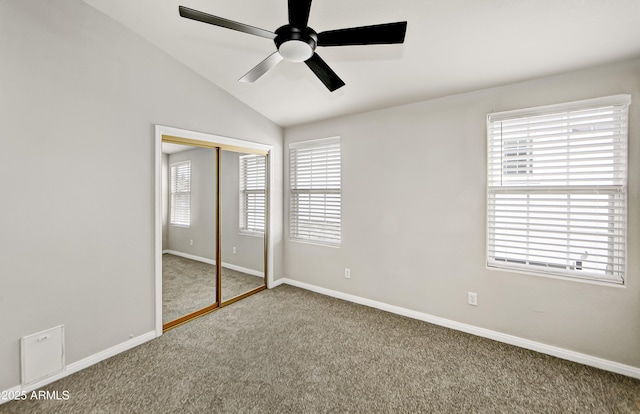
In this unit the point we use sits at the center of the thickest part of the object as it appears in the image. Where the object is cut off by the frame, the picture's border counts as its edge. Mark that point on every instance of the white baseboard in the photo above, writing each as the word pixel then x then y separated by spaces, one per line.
pixel 213 262
pixel 276 283
pixel 15 391
pixel 555 351
pixel 190 256
pixel 82 364
pixel 242 269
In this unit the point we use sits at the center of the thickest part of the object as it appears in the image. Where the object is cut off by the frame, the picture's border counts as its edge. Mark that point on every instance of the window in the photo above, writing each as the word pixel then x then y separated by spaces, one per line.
pixel 315 186
pixel 252 193
pixel 556 198
pixel 180 194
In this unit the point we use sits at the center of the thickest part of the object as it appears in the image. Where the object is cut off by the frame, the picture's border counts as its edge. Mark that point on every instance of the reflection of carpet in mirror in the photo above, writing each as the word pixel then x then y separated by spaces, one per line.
pixel 189 285
pixel 235 283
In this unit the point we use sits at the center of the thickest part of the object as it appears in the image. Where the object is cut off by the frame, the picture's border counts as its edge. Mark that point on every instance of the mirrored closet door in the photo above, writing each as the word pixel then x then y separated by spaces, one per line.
pixel 214 211
pixel 188 230
pixel 242 223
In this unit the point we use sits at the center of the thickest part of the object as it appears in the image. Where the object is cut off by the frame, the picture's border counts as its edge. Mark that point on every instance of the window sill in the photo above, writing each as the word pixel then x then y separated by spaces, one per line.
pixel 251 233
pixel 612 283
pixel 315 242
pixel 184 226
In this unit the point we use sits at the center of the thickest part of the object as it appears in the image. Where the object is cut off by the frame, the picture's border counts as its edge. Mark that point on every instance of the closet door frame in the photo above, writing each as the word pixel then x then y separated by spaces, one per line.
pixel 219 143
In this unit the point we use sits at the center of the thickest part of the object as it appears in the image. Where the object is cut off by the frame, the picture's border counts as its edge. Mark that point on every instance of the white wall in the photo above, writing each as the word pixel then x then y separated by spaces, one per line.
pixel 80 97
pixel 414 209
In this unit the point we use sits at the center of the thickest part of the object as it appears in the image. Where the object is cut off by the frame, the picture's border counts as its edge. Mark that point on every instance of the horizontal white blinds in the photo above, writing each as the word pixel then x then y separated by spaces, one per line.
pixel 252 193
pixel 557 189
pixel 571 148
pixel 180 183
pixel 315 187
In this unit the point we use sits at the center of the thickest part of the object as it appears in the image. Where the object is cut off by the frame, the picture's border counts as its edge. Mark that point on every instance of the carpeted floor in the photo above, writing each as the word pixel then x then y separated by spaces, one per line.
pixel 189 285
pixel 287 350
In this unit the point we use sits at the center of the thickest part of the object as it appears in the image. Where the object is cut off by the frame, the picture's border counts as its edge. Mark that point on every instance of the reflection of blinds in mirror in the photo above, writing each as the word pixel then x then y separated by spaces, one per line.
pixel 180 183
pixel 252 193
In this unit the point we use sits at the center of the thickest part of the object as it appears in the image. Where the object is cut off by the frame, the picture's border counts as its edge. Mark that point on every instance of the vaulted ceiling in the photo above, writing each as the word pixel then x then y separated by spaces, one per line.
pixel 451 46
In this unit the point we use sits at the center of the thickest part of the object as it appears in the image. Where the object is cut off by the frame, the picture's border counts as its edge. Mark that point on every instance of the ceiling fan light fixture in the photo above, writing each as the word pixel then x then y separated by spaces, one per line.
pixel 296 50
pixel 297 42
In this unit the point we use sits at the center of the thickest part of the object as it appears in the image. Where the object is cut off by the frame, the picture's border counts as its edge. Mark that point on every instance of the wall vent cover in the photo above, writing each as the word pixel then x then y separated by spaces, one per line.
pixel 42 355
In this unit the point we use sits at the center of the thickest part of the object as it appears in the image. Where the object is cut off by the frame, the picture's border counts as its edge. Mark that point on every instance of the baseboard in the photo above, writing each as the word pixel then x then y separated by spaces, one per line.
pixel 242 269
pixel 213 262
pixel 555 351
pixel 276 283
pixel 82 364
pixel 15 391
pixel 191 256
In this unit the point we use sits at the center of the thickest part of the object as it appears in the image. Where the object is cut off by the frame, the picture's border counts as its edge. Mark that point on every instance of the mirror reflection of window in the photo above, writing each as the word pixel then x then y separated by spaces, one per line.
pixel 189 236
pixel 252 193
pixel 180 206
pixel 242 222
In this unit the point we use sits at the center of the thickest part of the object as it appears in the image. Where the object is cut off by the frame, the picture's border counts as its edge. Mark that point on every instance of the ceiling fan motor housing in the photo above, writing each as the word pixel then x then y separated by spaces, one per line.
pixel 294 44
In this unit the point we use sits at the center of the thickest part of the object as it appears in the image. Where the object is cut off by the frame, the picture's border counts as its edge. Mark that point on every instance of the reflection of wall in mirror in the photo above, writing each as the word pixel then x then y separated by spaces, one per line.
pixel 249 248
pixel 202 229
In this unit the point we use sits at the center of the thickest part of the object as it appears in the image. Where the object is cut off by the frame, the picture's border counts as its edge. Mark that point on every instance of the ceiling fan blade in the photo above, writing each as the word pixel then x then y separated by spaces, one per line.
pixel 299 13
pixel 324 72
pixel 261 68
pixel 219 21
pixel 378 34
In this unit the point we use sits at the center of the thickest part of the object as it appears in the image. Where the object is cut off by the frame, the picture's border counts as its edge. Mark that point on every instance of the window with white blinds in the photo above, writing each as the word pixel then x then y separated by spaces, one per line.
pixel 315 188
pixel 252 193
pixel 180 183
pixel 556 197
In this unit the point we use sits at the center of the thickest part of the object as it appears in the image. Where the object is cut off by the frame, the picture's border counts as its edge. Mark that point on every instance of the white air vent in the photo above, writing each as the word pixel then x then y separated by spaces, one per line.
pixel 42 354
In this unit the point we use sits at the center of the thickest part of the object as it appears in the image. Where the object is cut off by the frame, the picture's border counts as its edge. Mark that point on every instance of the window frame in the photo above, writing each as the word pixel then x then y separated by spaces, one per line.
pixel 616 194
pixel 325 199
pixel 172 194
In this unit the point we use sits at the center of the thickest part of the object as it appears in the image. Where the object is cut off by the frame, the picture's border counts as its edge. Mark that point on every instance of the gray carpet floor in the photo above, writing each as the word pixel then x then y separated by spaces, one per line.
pixel 189 285
pixel 287 350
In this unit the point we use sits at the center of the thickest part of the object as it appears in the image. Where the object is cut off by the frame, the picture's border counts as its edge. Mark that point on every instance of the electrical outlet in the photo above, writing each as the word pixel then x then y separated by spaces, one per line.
pixel 472 298
pixel 347 273
pixel 234 250
pixel 190 242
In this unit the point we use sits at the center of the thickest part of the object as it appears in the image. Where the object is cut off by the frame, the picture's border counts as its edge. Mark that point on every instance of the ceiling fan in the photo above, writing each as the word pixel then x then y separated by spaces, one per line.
pixel 296 42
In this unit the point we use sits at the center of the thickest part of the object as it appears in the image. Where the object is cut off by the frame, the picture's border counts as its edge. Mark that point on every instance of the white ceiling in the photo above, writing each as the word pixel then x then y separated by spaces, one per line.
pixel 451 46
